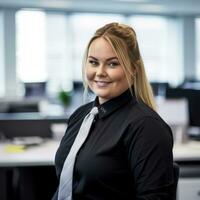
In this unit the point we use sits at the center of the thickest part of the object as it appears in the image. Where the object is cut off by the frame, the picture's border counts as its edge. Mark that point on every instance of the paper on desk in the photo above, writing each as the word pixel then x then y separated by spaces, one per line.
pixel 20 144
pixel 28 141
pixel 12 148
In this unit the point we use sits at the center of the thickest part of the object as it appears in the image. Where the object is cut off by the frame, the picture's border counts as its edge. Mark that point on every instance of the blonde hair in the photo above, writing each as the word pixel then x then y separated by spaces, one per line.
pixel 122 39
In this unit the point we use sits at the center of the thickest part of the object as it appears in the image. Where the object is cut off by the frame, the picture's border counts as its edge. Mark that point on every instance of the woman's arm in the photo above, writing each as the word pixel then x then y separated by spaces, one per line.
pixel 149 150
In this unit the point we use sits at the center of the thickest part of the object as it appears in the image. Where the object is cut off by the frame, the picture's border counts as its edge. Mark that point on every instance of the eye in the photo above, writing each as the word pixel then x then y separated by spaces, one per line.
pixel 113 64
pixel 93 62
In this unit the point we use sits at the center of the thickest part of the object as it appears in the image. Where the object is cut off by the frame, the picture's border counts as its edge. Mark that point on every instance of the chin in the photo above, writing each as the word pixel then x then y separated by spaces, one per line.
pixel 100 91
pixel 101 95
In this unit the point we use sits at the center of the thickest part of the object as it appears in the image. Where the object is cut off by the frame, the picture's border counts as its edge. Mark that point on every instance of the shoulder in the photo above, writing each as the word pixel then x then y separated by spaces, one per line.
pixel 147 130
pixel 141 112
pixel 144 120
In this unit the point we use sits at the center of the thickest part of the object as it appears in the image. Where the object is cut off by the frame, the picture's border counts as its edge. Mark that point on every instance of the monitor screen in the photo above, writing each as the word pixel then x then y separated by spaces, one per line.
pixel 35 89
pixel 23 127
pixel 159 88
pixel 193 97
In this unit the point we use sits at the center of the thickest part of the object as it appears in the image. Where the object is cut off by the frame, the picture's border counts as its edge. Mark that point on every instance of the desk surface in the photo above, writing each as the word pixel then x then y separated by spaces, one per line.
pixel 41 155
pixel 189 151
pixel 44 154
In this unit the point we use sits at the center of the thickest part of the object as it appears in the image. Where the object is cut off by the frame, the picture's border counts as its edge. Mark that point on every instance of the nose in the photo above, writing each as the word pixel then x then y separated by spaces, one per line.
pixel 101 71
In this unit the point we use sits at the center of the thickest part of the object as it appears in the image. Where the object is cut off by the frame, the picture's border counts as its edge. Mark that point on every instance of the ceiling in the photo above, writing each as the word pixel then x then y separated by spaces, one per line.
pixel 176 7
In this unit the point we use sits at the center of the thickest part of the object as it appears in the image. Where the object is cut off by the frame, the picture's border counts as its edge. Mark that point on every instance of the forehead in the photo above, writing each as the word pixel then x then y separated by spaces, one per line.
pixel 101 48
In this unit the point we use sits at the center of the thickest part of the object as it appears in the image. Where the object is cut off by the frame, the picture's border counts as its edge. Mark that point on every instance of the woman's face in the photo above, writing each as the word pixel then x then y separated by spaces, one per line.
pixel 105 75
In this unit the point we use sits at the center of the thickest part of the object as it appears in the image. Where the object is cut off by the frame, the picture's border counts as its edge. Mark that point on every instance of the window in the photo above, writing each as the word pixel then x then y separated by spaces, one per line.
pixel 2 81
pixel 50 46
pixel 43 49
pixel 198 47
pixel 156 37
pixel 58 53
pixel 31 47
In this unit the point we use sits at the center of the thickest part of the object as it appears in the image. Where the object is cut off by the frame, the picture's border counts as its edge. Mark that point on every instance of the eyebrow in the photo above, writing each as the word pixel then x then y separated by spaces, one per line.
pixel 112 58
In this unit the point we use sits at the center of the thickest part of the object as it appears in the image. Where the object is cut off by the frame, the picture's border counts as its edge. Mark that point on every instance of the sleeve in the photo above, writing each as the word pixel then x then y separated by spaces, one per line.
pixel 149 150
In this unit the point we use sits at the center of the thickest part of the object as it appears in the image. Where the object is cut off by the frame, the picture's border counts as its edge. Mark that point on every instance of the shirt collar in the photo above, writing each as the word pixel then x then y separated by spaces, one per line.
pixel 113 104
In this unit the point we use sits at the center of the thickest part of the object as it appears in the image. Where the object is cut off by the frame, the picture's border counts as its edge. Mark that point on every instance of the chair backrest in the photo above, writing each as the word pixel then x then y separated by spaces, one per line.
pixel 176 171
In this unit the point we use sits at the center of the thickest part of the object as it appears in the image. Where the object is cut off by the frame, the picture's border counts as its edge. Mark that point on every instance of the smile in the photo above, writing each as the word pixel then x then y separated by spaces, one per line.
pixel 102 83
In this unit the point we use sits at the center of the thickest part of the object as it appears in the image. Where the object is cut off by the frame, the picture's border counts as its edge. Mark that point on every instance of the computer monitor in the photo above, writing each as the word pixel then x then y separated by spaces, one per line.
pixel 35 89
pixel 159 88
pixel 193 97
pixel 23 106
pixel 10 128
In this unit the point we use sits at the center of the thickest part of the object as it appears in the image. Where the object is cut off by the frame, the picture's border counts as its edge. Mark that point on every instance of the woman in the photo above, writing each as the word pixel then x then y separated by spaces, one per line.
pixel 128 152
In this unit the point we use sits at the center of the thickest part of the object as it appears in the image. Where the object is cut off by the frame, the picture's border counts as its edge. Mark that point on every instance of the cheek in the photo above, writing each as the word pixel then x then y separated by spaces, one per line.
pixel 89 74
pixel 119 75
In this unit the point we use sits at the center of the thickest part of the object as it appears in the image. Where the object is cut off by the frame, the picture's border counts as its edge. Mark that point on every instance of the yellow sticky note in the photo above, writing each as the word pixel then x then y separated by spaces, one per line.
pixel 10 148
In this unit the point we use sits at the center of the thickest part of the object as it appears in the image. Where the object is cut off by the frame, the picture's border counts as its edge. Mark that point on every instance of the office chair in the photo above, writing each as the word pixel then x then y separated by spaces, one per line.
pixel 176 171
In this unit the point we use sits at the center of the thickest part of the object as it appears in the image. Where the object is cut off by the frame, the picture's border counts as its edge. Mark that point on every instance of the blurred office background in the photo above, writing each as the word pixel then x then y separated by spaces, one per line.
pixel 42 43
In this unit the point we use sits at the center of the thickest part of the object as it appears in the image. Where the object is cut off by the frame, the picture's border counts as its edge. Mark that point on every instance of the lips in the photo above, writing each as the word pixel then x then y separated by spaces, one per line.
pixel 102 83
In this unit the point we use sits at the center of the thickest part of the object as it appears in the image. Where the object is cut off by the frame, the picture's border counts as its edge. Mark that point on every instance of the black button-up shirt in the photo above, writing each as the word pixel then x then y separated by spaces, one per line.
pixel 127 154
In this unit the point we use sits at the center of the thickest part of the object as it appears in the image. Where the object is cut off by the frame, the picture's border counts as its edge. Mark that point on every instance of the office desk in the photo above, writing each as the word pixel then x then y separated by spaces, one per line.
pixel 41 158
pixel 43 155
pixel 29 174
pixel 189 151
